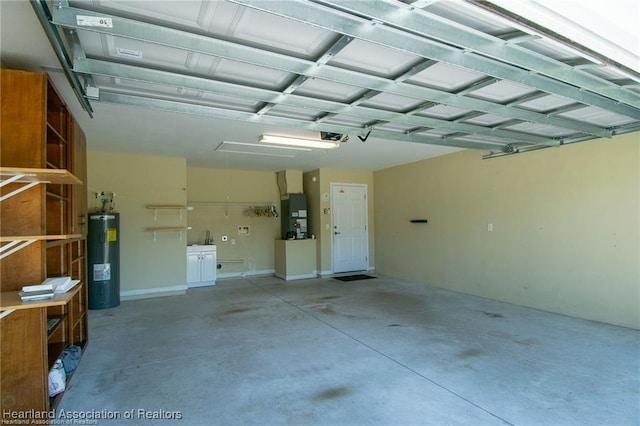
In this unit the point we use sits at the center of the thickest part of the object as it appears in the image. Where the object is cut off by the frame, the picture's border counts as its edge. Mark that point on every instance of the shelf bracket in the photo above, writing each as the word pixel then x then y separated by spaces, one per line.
pixel 5 313
pixel 13 247
pixel 16 191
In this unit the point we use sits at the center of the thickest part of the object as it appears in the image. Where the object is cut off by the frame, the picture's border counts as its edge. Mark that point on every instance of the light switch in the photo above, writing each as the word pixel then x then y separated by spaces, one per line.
pixel 490 227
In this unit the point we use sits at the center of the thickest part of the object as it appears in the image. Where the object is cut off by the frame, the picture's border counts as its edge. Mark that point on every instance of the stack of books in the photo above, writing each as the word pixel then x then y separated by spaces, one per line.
pixel 47 289
pixel 61 284
pixel 37 292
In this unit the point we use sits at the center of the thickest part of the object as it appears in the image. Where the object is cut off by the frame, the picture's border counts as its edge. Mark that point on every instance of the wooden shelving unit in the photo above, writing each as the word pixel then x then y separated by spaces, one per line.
pixel 43 234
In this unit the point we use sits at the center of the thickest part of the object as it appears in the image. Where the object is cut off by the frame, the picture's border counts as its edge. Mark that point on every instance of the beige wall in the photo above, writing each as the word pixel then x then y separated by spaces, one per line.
pixel 252 254
pixel 147 268
pixel 321 223
pixel 566 227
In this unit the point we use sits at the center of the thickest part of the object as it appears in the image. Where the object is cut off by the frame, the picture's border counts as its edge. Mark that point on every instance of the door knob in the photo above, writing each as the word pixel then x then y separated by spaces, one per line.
pixel 336 233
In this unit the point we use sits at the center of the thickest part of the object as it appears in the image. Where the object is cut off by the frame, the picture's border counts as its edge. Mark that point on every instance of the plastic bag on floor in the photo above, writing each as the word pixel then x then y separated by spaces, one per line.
pixel 57 379
pixel 70 359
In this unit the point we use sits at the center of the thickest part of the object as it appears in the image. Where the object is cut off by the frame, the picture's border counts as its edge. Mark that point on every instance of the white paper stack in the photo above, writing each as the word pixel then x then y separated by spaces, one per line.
pixel 57 282
pixel 61 284
pixel 47 288
pixel 63 288
pixel 37 292
pixel 40 287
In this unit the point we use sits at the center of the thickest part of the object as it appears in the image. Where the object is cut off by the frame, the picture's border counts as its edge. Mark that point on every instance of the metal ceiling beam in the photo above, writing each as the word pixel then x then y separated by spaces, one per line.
pixel 300 79
pixel 44 16
pixel 484 82
pixel 416 69
pixel 468 116
pixel 271 98
pixel 526 98
pixel 549 34
pixel 180 107
pixel 434 27
pixel 67 17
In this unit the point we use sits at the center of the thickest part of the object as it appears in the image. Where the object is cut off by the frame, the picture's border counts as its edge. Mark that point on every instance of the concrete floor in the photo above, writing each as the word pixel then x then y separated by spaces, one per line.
pixel 374 352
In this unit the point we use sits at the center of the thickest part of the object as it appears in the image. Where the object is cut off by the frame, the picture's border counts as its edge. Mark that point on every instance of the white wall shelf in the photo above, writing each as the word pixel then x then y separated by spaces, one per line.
pixel 180 230
pixel 260 209
pixel 156 207
pixel 237 204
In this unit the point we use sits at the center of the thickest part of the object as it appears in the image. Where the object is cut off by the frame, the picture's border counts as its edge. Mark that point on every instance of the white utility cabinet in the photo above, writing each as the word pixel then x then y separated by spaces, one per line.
pixel 201 265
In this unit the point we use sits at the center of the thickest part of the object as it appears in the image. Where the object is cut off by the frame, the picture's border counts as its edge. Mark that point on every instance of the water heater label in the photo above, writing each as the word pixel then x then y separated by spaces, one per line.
pixel 112 234
pixel 102 272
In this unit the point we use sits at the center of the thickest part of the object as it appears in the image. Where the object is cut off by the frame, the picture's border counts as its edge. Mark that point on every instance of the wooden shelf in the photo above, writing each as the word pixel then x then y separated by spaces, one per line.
pixel 28 175
pixel 39 237
pixel 18 242
pixel 32 177
pixel 57 196
pixel 54 242
pixel 59 318
pixel 12 300
pixel 54 135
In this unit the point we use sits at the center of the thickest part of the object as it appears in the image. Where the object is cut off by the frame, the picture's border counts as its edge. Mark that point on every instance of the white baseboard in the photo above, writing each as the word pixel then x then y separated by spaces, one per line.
pixel 314 274
pixel 264 272
pixel 153 292
pixel 201 284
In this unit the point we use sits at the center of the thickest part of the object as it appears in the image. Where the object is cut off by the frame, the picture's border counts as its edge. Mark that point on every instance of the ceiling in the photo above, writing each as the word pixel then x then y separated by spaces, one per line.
pixel 403 80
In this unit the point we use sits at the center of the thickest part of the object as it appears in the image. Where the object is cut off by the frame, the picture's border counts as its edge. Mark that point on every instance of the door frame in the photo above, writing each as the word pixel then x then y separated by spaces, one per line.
pixel 332 185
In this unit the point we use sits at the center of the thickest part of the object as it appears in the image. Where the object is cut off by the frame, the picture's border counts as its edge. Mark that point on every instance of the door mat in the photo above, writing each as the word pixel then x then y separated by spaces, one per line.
pixel 355 277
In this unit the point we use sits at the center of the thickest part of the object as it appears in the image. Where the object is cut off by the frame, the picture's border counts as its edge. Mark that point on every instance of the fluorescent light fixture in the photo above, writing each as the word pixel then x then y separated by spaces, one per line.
pixel 260 149
pixel 307 143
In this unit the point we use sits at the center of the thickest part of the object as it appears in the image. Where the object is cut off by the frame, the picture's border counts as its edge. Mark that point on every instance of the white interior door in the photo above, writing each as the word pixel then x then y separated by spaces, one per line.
pixel 349 227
